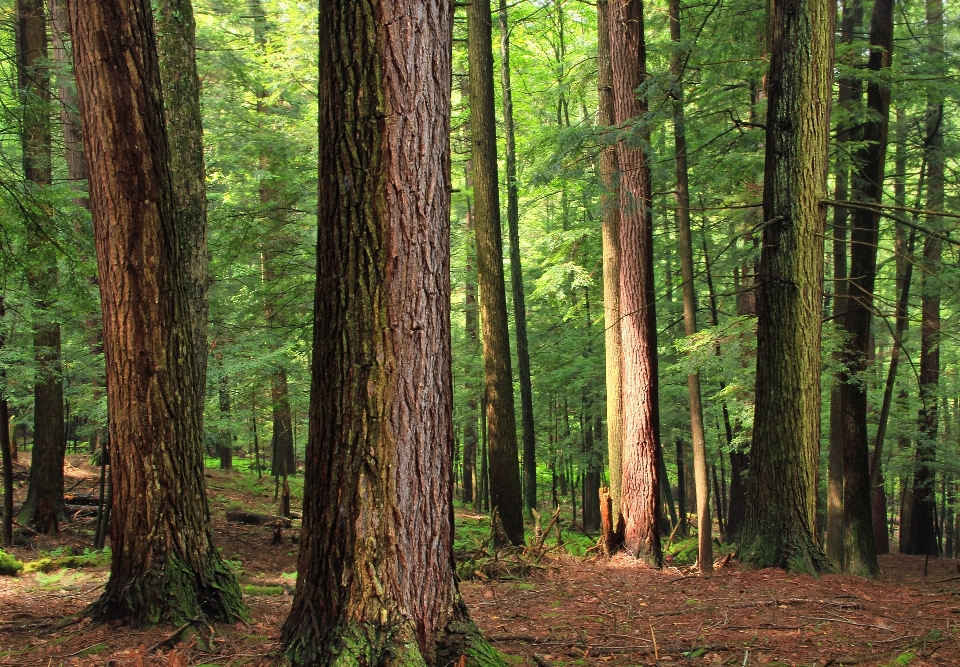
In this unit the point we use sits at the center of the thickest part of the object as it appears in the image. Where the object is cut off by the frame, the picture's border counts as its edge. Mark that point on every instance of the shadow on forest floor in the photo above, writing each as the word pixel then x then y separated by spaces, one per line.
pixel 574 611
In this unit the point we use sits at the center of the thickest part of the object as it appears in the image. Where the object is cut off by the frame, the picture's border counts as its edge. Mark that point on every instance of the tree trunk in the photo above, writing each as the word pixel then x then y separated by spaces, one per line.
pixel 177 53
pixel 164 565
pixel 516 272
pixel 226 433
pixel 505 491
pixel 849 95
pixel 640 484
pixel 704 524
pixel 470 478
pixel 859 548
pixel 921 538
pixel 6 457
pixel 43 508
pixel 610 232
pixel 782 496
pixel 376 583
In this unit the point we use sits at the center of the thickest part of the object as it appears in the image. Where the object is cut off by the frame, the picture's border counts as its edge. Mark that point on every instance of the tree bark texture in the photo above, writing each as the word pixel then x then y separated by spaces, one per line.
pixel 375 577
pixel 6 456
pixel 780 528
pixel 164 565
pixel 528 428
pixel 704 522
pixel 850 91
pixel 640 483
pixel 43 507
pixel 505 491
pixel 177 53
pixel 610 235
pixel 66 89
pixel 859 548
pixel 921 538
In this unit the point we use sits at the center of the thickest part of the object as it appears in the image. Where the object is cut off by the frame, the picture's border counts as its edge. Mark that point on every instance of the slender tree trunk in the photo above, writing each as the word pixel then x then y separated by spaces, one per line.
pixel 164 565
pixel 904 249
pixel 43 508
pixel 849 95
pixel 6 457
pixel 177 53
pixel 226 433
pixel 681 490
pixel 704 524
pixel 921 538
pixel 640 485
pixel 376 582
pixel 859 548
pixel 610 232
pixel 505 491
pixel 780 529
pixel 516 272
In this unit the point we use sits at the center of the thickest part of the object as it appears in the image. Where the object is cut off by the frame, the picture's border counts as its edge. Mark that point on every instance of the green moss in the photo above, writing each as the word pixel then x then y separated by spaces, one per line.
pixel 64 558
pixel 10 566
pixel 262 590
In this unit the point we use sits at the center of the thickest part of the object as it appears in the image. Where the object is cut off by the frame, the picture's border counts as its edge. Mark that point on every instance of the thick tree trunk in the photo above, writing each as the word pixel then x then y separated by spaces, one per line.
pixel 849 95
pixel 516 272
pixel 782 496
pixel 376 583
pixel 610 232
pixel 164 565
pixel 921 538
pixel 177 53
pixel 43 508
pixel 640 485
pixel 704 523
pixel 505 491
pixel 859 548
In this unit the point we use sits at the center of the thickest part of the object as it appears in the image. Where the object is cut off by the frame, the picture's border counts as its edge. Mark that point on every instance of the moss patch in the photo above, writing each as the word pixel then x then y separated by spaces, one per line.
pixel 10 566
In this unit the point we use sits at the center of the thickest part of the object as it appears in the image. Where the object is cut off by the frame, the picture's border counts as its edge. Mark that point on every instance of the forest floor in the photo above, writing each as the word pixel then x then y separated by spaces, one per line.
pixel 572 610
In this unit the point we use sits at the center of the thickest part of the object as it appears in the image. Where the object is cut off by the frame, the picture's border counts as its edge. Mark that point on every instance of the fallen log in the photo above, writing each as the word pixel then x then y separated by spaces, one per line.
pixel 254 519
pixel 81 499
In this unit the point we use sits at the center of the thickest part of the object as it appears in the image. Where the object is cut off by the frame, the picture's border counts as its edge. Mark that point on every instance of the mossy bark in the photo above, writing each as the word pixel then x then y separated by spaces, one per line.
pixel 164 565
pixel 780 527
pixel 376 579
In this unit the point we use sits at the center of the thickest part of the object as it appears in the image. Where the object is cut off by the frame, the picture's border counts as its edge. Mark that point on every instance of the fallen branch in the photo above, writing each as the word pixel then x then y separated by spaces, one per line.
pixel 257 519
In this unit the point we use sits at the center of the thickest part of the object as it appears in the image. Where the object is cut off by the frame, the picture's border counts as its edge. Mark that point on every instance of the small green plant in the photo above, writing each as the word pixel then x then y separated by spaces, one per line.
pixel 64 558
pixel 902 660
pixel 10 566
pixel 250 589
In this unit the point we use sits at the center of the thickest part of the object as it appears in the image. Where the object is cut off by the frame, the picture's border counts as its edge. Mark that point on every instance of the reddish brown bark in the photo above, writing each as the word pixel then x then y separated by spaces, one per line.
pixel 640 490
pixel 375 578
pixel 164 565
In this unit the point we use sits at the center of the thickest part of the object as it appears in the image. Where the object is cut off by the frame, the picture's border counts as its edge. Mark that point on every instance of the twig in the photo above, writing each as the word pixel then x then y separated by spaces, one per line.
pixel 656 651
pixel 169 638
pixel 849 622
pixel 540 661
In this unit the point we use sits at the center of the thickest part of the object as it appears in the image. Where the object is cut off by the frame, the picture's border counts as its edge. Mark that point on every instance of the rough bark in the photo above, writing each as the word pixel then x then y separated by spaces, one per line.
pixel 782 496
pixel 859 548
pixel 704 523
pixel 505 491
pixel 376 581
pixel 177 53
pixel 43 508
pixel 640 484
pixel 516 271
pixel 922 538
pixel 164 565
pixel 849 94
pixel 610 233
pixel 6 456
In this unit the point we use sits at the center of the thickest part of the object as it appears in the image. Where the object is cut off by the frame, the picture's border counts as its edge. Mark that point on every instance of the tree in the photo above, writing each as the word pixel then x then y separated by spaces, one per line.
pixel 859 548
pixel 921 538
pixel 163 565
pixel 376 582
pixel 610 231
pixel 704 521
pixel 177 52
pixel 505 492
pixel 640 484
pixel 780 525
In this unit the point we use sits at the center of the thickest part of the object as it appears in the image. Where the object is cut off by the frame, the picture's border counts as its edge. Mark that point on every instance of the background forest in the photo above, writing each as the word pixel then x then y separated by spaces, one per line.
pixel 257 67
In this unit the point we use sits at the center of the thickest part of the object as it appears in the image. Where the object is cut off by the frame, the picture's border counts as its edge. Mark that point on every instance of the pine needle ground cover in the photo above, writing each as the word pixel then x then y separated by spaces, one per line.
pixel 565 609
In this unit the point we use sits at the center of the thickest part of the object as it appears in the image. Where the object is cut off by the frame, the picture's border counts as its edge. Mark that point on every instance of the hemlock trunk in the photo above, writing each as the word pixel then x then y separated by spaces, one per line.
pixel 164 565
pixel 376 582
pixel 640 483
pixel 780 528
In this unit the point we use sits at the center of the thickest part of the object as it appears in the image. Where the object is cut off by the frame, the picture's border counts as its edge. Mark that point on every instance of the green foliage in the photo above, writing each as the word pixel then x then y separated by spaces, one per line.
pixel 64 559
pixel 10 566
pixel 251 589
